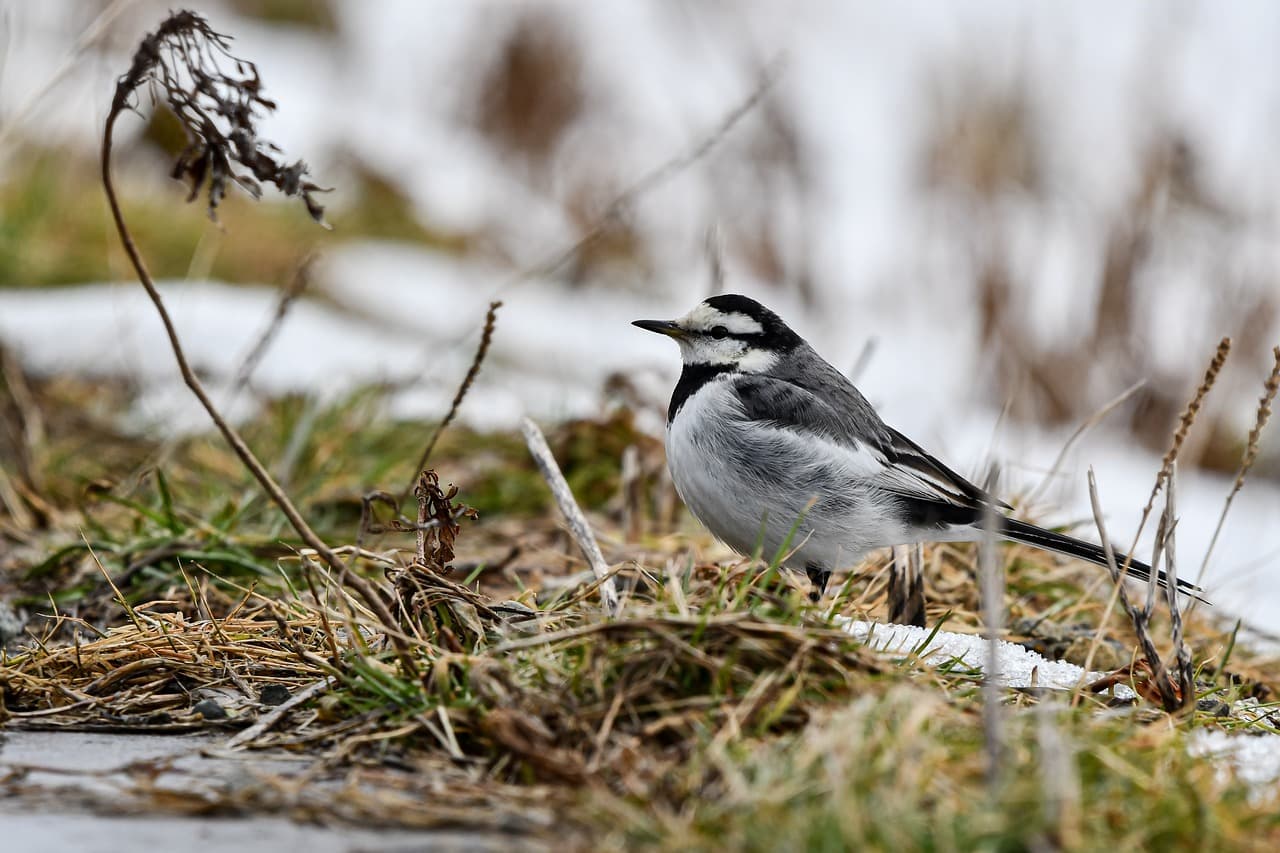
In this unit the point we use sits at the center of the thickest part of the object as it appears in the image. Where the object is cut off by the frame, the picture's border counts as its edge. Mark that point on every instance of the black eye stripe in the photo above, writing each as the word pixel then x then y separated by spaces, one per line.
pixel 719 332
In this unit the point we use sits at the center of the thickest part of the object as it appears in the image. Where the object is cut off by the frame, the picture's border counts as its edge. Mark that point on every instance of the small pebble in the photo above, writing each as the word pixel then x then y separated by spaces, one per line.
pixel 210 710
pixel 274 694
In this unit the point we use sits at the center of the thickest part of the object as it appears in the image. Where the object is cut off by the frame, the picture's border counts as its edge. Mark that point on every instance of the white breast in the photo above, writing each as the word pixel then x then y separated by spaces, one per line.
pixel 749 483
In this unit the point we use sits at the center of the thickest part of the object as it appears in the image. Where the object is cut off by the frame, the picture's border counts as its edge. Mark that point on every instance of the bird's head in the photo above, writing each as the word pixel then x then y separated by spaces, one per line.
pixel 729 331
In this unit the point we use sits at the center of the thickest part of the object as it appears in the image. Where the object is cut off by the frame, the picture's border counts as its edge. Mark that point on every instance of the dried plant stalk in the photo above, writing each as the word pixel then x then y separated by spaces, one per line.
pixel 1269 389
pixel 1169 698
pixel 297 286
pixel 486 338
pixel 1188 418
pixel 183 62
pixel 186 46
pixel 1179 437
pixel 1181 653
pixel 991 577
pixel 578 525
pixel 1085 426
pixel 1060 778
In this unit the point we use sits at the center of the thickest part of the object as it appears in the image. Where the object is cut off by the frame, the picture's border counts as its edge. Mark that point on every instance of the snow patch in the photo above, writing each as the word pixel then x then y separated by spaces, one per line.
pixel 1018 667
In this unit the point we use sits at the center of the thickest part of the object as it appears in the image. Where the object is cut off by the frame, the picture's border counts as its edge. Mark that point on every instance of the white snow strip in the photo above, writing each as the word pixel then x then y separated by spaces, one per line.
pixel 1255 758
pixel 1018 667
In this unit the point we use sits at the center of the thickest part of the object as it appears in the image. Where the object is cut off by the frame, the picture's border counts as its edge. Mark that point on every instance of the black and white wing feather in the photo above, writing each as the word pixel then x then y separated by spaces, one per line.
pixel 894 463
pixel 823 403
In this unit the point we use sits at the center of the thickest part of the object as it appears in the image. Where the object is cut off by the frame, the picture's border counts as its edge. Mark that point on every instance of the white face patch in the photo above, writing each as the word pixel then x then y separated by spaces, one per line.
pixel 757 360
pixel 704 318
pixel 701 349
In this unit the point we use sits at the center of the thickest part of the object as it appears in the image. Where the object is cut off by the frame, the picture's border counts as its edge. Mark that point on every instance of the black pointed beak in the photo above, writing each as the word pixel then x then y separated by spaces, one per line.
pixel 662 327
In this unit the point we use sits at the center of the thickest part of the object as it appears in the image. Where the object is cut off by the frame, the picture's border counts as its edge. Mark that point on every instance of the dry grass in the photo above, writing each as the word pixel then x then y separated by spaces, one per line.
pixel 721 701
pixel 719 709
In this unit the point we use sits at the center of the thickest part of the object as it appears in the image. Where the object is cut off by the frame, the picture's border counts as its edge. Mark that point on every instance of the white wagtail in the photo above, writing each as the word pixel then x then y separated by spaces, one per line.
pixel 771 447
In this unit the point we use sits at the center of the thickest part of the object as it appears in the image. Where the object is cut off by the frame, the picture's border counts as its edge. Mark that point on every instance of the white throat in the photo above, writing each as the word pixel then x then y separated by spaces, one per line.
pixel 727 352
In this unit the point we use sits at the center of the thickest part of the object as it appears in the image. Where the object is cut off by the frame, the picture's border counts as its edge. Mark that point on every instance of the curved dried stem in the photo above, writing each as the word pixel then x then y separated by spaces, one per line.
pixel 147 58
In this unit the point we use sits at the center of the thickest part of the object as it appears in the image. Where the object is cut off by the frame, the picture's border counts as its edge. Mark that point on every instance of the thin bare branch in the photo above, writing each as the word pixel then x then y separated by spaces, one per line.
pixel 863 361
pixel 91 35
pixel 578 525
pixel 269 719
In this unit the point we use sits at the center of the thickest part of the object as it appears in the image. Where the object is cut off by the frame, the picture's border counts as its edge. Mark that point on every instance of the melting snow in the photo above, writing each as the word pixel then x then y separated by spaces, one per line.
pixel 1018 667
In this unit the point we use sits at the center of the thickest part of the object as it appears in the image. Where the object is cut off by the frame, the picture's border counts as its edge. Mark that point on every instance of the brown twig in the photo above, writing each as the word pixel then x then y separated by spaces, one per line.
pixel 269 719
pixel 188 26
pixel 1169 698
pixel 486 338
pixel 646 183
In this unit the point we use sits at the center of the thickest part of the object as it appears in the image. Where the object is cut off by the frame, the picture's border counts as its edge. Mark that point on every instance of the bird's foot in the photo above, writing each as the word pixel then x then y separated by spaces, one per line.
pixel 819 577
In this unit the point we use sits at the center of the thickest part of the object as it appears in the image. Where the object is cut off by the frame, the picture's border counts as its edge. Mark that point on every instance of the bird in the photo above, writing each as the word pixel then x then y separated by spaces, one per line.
pixel 775 451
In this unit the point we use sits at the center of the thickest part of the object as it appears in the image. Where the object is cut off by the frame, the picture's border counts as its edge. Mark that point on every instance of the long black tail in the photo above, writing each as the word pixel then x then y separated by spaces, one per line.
pixel 1020 531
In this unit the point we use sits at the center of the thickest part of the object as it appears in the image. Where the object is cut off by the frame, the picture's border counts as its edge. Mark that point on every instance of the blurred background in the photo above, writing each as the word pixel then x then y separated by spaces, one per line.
pixel 998 215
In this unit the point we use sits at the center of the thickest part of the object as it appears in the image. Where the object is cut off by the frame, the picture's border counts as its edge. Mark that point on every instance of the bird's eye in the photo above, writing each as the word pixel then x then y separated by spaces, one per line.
pixel 719 332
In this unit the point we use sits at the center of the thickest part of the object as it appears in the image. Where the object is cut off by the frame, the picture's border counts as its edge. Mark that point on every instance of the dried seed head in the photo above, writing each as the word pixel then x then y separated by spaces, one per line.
pixel 1269 389
pixel 182 64
pixel 1188 417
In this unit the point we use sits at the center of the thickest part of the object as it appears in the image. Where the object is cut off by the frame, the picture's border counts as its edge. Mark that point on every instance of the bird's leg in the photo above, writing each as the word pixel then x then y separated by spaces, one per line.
pixel 818 576
pixel 906 586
